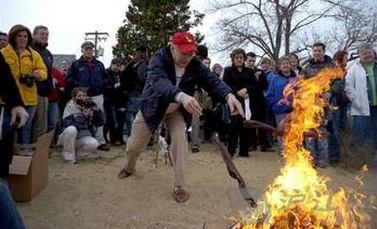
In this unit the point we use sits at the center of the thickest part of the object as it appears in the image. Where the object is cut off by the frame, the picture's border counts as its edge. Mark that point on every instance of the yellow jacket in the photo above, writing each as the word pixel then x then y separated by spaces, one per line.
pixel 30 61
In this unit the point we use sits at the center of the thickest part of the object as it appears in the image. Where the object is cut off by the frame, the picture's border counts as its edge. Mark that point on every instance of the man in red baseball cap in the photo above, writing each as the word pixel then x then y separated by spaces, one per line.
pixel 183 47
pixel 173 74
pixel 185 42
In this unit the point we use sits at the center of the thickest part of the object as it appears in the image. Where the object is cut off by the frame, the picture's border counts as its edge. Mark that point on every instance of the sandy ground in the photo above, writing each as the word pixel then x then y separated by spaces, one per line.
pixel 89 195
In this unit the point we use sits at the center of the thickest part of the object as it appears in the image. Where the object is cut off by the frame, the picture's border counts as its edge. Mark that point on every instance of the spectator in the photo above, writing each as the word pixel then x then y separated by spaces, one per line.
pixel 251 59
pixel 45 87
pixel 217 69
pixel 115 104
pixel 275 96
pixel 361 88
pixel 65 96
pixel 340 61
pixel 134 76
pixel 295 63
pixel 53 107
pixel 89 73
pixel 216 122
pixel 258 108
pixel 172 76
pixel 267 65
pixel 243 83
pixel 80 119
pixel 11 103
pixel 10 100
pixel 336 100
pixel 200 96
pixel 318 61
pixel 319 146
pixel 3 40
pixel 27 67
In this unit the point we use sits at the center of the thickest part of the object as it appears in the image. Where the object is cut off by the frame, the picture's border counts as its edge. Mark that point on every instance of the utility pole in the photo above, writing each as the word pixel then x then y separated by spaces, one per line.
pixel 98 37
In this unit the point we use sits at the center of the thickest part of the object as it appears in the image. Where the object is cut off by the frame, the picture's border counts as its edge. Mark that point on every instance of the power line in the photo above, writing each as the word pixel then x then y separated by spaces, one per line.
pixel 98 37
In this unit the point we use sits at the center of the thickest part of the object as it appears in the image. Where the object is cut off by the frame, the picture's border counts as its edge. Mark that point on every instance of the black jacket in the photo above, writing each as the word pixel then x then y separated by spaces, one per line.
pixel 237 80
pixel 313 68
pixel 114 96
pixel 8 88
pixel 134 76
pixel 11 97
pixel 44 87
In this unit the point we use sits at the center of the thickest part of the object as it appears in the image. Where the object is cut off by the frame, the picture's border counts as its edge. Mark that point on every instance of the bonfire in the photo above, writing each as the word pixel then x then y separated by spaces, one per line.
pixel 299 197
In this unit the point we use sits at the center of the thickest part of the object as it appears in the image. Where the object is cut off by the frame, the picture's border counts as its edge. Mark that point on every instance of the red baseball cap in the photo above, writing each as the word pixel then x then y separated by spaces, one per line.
pixel 185 42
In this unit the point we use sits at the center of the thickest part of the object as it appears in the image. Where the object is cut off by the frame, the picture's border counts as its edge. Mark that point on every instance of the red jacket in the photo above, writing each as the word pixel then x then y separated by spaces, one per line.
pixel 59 84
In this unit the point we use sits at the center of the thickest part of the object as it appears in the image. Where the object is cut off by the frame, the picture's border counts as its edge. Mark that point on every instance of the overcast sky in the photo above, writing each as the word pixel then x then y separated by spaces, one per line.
pixel 68 20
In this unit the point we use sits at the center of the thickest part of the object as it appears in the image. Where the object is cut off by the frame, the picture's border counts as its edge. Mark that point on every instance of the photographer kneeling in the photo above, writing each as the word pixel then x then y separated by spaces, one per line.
pixel 80 119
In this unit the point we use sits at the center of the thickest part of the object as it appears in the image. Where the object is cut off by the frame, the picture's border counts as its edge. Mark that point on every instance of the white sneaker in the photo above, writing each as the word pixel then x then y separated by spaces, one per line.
pixel 69 157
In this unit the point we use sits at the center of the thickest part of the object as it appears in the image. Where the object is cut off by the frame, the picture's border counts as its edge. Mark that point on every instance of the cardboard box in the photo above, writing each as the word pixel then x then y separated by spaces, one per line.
pixel 29 169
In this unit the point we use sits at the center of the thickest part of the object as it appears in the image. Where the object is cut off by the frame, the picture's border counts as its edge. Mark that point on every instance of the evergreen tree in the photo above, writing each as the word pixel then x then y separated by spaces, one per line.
pixel 152 23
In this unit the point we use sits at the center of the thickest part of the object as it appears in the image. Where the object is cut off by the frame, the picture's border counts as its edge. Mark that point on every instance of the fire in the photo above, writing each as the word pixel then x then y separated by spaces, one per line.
pixel 299 197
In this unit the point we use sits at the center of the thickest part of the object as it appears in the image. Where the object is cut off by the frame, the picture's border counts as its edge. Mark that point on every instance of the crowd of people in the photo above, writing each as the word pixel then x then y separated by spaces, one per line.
pixel 91 107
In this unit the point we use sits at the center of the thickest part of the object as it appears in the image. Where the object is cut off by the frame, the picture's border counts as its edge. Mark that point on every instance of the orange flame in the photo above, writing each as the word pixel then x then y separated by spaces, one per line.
pixel 299 197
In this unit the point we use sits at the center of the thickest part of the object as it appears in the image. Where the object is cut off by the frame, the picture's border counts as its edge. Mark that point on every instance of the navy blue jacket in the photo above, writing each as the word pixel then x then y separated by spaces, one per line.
pixel 91 75
pixel 45 87
pixel 160 87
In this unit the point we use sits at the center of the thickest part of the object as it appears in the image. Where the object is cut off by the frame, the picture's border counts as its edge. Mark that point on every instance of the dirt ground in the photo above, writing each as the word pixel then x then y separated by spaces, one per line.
pixel 89 195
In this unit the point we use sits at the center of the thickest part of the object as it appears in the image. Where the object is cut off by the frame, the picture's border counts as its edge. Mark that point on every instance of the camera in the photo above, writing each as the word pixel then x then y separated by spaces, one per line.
pixel 28 80
pixel 87 103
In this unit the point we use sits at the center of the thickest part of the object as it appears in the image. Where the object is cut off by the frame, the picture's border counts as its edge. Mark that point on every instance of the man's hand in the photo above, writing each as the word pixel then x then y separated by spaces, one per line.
pixel 36 74
pixel 54 82
pixel 234 106
pixel 190 104
pixel 243 93
pixel 19 116
pixel 326 96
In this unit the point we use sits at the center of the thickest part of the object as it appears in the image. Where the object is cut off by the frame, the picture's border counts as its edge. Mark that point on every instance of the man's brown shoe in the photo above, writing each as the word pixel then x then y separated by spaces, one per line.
pixel 124 174
pixel 180 195
pixel 103 147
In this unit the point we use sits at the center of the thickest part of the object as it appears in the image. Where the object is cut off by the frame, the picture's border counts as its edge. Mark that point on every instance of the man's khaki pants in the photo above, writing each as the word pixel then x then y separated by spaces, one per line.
pixel 141 135
pixel 40 118
pixel 195 123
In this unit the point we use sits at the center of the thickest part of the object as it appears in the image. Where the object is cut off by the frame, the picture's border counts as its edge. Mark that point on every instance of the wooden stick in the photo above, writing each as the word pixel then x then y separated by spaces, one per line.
pixel 233 171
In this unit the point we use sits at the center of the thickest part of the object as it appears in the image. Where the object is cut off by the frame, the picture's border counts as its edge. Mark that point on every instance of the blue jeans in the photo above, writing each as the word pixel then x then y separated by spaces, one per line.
pixel 9 216
pixel 131 111
pixel 24 134
pixel 364 130
pixel 280 141
pixel 342 117
pixel 334 138
pixel 26 130
pixel 270 120
pixel 318 148
pixel 53 116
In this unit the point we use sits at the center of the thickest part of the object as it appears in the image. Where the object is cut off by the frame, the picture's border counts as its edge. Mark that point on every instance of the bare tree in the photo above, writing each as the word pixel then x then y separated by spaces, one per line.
pixel 270 25
pixel 355 24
